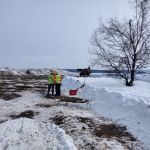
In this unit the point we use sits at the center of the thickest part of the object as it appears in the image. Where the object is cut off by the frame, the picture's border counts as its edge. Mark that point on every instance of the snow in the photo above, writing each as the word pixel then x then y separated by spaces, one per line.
pixel 43 71
pixel 111 145
pixel 40 133
pixel 23 134
pixel 125 105
pixel 108 97
pixel 31 134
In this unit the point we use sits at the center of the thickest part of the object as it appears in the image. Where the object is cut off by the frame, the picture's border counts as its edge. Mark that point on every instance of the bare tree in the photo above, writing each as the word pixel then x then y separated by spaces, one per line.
pixel 124 47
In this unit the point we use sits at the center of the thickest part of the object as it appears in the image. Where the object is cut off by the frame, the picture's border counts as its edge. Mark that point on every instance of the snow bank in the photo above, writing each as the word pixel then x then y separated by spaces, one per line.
pixel 144 77
pixel 126 105
pixel 13 71
pixel 43 71
pixel 29 134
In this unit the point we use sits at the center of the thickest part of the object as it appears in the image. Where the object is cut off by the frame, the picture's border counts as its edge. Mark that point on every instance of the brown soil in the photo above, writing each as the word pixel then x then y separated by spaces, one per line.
pixel 108 130
pixel 9 96
pixel 9 84
pixel 44 105
pixel 72 99
pixel 96 129
pixel 58 120
pixel 68 99
pixel 112 130
pixel 27 114
pixel 100 130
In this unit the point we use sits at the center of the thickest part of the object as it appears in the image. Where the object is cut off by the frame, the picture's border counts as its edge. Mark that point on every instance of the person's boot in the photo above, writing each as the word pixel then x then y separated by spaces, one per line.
pixel 47 95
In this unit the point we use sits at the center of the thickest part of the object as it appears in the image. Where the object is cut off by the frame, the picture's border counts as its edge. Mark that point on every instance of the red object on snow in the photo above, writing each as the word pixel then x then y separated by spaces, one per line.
pixel 73 92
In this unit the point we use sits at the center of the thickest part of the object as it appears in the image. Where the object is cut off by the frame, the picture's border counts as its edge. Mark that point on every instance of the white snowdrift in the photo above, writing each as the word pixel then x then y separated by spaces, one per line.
pixel 126 105
pixel 28 134
pixel 44 71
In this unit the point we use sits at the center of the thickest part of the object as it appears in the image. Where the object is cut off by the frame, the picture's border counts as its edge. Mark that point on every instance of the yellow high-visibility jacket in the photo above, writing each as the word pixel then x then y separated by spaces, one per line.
pixel 58 79
pixel 51 79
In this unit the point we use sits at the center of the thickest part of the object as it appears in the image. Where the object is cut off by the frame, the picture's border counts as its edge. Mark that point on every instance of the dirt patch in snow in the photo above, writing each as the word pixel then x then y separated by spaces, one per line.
pixel 10 84
pixel 27 114
pixel 72 99
pixel 67 99
pixel 58 120
pixel 1 121
pixel 44 105
pixel 107 130
pixel 9 96
pixel 85 127
pixel 112 130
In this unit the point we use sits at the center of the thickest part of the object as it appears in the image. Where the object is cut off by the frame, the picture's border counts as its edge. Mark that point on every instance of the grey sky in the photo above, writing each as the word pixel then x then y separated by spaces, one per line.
pixel 52 33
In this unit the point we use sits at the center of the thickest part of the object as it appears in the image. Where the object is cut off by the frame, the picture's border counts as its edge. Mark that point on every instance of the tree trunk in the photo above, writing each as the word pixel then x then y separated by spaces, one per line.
pixel 132 75
pixel 129 83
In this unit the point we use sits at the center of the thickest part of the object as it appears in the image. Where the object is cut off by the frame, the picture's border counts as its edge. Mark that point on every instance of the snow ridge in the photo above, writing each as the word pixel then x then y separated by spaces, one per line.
pixel 23 133
pixel 125 106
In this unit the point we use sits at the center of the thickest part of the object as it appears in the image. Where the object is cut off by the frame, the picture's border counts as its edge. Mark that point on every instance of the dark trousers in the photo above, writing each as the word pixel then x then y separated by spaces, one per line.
pixel 57 87
pixel 49 88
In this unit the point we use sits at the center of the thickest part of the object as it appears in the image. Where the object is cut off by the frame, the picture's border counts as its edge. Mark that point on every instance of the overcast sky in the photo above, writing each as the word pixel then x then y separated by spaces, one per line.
pixel 52 33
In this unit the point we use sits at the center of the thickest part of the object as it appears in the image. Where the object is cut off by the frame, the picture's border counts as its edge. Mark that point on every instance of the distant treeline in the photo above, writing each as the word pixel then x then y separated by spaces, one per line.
pixel 105 71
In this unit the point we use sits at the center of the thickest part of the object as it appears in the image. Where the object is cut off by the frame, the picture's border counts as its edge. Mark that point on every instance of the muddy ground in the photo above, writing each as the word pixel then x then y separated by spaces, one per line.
pixel 11 84
pixel 87 132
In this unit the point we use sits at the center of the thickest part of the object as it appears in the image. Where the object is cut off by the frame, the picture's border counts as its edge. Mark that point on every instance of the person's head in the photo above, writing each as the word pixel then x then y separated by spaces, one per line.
pixel 52 71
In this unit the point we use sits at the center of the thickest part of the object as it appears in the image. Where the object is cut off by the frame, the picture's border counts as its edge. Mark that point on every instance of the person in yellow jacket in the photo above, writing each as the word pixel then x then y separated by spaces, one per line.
pixel 50 83
pixel 58 84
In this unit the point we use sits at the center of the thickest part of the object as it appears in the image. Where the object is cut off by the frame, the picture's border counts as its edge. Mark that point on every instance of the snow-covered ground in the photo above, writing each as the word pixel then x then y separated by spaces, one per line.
pixel 23 133
pixel 40 132
pixel 65 125
pixel 109 97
